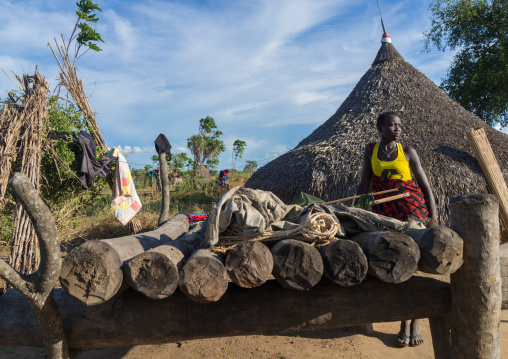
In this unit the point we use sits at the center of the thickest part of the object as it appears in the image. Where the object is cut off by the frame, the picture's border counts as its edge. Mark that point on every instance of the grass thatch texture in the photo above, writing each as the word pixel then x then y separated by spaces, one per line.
pixel 328 163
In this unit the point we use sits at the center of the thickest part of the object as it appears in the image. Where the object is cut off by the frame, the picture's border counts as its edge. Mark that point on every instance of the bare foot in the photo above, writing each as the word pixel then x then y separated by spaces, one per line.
pixel 416 337
pixel 404 334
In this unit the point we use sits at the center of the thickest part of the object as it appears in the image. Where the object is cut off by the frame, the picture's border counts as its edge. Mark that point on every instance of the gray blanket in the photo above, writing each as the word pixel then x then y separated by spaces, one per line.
pixel 250 213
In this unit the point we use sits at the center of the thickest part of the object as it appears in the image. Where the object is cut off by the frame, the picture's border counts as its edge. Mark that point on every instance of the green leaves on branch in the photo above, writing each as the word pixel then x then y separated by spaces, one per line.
pixel 478 76
pixel 87 36
pixel 85 8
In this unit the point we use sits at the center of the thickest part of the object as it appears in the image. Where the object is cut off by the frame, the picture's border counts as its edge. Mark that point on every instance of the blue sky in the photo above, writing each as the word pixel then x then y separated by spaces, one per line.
pixel 268 71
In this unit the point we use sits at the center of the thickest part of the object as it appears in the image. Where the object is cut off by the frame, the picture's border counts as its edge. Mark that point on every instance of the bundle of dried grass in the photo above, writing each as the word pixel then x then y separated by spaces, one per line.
pixel 23 124
pixel 69 79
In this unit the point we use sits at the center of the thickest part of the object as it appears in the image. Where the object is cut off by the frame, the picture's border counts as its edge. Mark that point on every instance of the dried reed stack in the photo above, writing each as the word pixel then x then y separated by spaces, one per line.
pixel 69 79
pixel 22 127
pixel 490 168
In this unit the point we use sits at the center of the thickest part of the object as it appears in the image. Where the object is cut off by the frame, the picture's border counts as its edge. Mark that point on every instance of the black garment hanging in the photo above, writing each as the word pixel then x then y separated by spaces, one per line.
pixel 88 166
pixel 162 145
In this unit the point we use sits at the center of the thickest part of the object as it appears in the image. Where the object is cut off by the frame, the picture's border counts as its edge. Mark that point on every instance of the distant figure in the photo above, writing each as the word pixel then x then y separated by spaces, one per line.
pixel 222 178
pixel 387 165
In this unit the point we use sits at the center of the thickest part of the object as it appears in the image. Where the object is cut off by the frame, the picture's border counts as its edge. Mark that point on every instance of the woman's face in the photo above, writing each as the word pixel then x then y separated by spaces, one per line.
pixel 391 130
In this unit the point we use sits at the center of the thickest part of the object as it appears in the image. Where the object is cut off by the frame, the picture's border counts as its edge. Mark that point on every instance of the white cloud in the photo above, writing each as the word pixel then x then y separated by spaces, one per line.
pixel 268 71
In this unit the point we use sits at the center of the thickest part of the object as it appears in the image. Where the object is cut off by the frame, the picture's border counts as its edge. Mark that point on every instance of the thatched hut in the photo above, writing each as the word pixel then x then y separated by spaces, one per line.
pixel 328 163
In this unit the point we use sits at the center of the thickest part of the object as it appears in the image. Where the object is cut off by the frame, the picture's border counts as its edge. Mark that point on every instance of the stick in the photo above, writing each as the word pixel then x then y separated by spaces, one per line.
pixel 392 198
pixel 354 197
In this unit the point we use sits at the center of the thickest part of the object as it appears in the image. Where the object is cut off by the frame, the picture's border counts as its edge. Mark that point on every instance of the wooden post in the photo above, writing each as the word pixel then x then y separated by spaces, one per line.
pixel 476 286
pixel 441 338
pixel 165 188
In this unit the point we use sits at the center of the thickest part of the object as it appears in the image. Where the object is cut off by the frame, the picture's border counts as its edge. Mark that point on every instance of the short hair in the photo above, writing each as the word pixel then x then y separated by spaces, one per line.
pixel 382 118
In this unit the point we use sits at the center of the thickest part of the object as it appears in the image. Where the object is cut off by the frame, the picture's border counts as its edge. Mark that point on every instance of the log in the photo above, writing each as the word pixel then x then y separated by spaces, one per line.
pixel 204 278
pixel 344 262
pixel 92 273
pixel 503 262
pixel 393 257
pixel 133 319
pixel 440 249
pixel 249 264
pixel 296 264
pixel 476 286
pixel 163 165
pixel 155 272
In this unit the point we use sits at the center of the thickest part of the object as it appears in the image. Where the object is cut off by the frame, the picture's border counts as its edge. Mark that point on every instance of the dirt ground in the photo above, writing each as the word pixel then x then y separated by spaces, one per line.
pixel 343 343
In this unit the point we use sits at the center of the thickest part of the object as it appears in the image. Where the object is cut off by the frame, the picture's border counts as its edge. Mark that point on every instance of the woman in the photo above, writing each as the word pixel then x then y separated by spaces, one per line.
pixel 387 165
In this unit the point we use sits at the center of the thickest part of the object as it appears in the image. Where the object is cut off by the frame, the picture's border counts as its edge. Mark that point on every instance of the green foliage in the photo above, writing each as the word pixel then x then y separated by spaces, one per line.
pixel 206 145
pixel 250 167
pixel 87 36
pixel 478 76
pixel 238 150
pixel 180 162
pixel 60 187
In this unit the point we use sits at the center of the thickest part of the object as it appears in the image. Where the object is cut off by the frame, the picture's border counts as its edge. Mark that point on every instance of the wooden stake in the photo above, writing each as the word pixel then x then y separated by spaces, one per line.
pixel 354 197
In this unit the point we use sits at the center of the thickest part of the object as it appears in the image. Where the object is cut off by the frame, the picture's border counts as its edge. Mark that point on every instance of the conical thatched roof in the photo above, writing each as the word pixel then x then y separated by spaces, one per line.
pixel 327 164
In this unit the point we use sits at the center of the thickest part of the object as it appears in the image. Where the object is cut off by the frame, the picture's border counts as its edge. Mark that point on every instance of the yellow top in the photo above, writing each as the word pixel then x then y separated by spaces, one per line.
pixel 396 169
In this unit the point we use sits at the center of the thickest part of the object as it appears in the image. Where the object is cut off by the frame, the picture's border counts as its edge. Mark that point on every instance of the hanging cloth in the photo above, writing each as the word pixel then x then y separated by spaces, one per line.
pixel 125 202
pixel 162 145
pixel 88 166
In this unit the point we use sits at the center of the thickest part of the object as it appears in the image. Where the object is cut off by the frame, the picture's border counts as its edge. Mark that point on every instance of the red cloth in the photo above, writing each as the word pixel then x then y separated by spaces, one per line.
pixel 402 209
pixel 196 218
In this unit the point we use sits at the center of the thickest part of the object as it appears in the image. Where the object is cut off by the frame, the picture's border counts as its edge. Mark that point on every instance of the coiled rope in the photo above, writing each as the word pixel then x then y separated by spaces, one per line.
pixel 319 229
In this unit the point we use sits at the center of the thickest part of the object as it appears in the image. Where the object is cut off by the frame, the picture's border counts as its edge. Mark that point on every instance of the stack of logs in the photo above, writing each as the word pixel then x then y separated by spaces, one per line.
pixel 156 263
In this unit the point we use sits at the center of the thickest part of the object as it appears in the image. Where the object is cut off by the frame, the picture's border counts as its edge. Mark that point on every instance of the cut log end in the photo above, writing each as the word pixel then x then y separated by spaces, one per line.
pixel 296 264
pixel 203 278
pixel 152 274
pixel 91 273
pixel 393 257
pixel 249 264
pixel 441 249
pixel 344 262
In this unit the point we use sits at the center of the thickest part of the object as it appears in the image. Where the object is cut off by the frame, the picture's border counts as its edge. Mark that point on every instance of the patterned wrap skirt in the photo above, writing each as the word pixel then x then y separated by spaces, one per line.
pixel 402 209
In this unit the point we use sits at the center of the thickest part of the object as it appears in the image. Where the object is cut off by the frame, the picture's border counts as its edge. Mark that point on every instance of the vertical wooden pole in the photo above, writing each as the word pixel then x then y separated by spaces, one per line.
pixel 441 338
pixel 165 188
pixel 476 286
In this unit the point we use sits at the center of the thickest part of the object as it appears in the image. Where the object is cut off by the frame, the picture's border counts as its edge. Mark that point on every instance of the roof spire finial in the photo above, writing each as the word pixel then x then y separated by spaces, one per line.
pixel 386 37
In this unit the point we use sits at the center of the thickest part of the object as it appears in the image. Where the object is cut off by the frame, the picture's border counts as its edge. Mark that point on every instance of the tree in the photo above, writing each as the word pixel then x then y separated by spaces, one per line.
pixel 250 166
pixel 206 145
pixel 478 76
pixel 87 36
pixel 238 149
